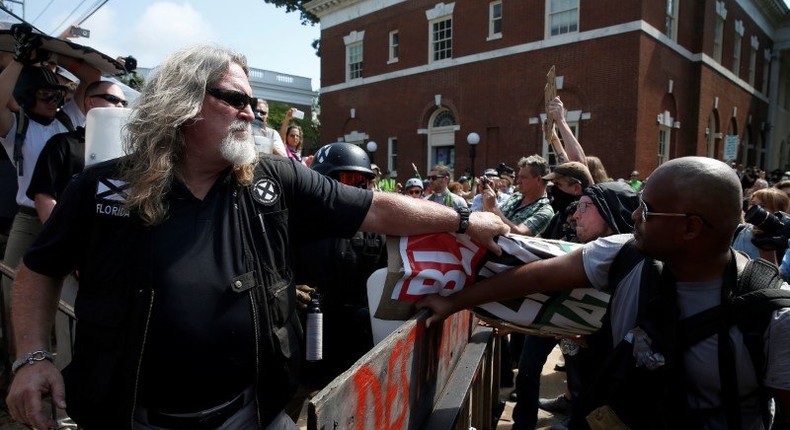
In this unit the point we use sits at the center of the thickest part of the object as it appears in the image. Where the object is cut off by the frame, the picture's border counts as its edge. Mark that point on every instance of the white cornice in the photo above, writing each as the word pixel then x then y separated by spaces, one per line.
pixel 335 12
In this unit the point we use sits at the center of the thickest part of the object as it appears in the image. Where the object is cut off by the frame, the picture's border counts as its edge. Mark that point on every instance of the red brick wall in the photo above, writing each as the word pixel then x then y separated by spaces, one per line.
pixel 621 81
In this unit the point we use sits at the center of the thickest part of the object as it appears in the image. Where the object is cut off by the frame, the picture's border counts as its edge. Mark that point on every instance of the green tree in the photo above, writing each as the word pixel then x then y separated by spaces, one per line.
pixel 296 5
pixel 310 128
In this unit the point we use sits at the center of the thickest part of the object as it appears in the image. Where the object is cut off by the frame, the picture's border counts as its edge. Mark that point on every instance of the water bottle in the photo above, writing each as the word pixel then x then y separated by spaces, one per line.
pixel 315 330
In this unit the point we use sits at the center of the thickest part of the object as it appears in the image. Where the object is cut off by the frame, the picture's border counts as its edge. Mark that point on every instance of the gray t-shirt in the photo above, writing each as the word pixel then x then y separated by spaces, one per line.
pixel 701 360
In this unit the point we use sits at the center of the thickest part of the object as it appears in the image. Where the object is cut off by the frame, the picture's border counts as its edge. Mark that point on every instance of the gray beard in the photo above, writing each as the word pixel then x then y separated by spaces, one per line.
pixel 239 151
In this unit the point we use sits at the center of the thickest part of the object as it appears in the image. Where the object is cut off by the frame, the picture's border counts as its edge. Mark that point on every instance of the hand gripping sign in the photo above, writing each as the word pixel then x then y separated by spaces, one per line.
pixel 445 263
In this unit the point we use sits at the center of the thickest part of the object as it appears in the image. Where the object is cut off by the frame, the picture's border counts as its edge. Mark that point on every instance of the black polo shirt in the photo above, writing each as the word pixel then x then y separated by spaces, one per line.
pixel 199 350
pixel 62 157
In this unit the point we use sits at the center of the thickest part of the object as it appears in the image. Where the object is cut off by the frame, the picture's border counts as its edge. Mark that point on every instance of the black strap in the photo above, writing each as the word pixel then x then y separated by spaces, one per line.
pixel 22 123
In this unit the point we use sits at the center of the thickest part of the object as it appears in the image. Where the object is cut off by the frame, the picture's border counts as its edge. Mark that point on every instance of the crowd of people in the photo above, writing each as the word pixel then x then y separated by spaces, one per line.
pixel 188 258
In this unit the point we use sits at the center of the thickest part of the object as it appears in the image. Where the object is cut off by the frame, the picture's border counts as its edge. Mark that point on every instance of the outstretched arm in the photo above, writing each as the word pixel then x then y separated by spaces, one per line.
pixel 398 215
pixel 554 274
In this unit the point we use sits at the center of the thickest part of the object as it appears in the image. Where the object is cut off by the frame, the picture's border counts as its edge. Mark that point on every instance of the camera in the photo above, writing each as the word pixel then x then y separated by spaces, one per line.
pixel 504 168
pixel 775 228
pixel 79 32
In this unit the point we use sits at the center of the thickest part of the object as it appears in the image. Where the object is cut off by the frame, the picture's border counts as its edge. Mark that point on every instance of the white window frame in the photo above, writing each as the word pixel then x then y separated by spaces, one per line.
pixel 440 13
pixel 392 154
pixel 568 13
pixel 664 142
pixel 718 31
pixel 433 42
pixel 352 71
pixel 736 54
pixel 493 19
pixel 354 41
pixel 394 46
pixel 664 148
pixel 766 70
pixel 671 22
pixel 737 47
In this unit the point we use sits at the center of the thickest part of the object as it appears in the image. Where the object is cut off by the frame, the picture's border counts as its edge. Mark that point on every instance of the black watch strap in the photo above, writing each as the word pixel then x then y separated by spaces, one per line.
pixel 463 224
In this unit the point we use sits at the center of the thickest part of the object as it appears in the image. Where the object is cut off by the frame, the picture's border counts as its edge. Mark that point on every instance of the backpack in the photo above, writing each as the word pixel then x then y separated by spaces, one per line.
pixel 752 293
pixel 22 123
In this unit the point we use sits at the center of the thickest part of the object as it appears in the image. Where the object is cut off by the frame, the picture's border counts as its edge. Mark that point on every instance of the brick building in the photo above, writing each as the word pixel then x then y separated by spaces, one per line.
pixel 643 81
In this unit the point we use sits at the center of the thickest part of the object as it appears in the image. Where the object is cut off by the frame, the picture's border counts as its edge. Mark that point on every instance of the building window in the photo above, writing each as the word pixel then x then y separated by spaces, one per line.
pixel 354 61
pixel 664 134
pixel 737 46
pixel 736 54
pixel 441 39
pixel 495 20
pixel 766 70
pixel 392 154
pixel 718 30
pixel 354 48
pixel 563 17
pixel 672 19
pixel 718 36
pixel 752 65
pixel 394 44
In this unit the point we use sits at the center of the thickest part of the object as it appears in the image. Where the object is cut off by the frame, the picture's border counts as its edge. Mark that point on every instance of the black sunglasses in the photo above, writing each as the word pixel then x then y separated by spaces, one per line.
pixel 435 177
pixel 112 99
pixel 237 99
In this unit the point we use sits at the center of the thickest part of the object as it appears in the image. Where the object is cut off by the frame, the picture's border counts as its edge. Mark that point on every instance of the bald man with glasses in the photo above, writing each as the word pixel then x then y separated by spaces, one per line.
pixel 682 266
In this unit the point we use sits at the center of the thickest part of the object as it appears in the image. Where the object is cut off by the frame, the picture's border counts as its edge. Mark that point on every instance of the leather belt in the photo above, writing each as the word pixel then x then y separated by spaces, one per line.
pixel 28 211
pixel 206 420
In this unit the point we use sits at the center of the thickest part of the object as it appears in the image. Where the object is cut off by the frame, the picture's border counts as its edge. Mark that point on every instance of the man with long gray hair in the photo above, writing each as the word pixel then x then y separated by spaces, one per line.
pixel 186 308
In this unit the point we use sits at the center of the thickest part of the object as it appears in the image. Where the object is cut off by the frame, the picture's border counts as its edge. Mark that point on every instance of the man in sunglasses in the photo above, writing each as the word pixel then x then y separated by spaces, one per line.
pixel 185 254
pixel 64 154
pixel 677 264
pixel 439 180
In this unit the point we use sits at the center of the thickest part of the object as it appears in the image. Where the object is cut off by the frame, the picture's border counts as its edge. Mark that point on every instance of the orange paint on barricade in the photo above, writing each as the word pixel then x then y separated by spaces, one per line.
pixel 397 383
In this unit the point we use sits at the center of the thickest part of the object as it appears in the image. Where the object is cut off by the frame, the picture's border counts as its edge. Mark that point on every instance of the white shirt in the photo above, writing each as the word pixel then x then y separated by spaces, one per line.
pixel 35 140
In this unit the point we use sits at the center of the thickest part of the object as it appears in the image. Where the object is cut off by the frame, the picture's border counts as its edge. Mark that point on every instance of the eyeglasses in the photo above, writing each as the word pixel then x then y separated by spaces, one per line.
pixel 49 96
pixel 112 99
pixel 414 192
pixel 236 99
pixel 581 207
pixel 355 179
pixel 646 213
pixel 435 177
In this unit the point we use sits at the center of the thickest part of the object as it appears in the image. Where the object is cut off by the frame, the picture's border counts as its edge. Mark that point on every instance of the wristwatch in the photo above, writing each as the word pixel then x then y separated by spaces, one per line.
pixel 31 358
pixel 464 223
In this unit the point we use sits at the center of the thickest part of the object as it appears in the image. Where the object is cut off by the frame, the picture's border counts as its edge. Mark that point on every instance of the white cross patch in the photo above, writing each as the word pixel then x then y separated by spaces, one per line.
pixel 266 191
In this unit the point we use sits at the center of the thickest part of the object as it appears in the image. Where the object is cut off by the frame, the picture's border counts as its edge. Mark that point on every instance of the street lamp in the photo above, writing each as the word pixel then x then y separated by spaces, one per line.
pixel 472 139
pixel 372 147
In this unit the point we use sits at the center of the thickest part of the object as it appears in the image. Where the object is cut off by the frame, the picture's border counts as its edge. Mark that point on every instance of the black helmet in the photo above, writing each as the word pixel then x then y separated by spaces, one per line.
pixel 31 79
pixel 338 157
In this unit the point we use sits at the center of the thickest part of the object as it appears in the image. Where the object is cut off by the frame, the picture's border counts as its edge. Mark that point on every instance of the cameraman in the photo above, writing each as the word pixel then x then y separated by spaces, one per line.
pixel 761 236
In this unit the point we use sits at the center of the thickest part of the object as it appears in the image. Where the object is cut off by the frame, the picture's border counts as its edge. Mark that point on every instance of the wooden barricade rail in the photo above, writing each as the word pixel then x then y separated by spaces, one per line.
pixel 443 377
